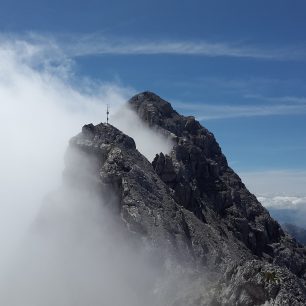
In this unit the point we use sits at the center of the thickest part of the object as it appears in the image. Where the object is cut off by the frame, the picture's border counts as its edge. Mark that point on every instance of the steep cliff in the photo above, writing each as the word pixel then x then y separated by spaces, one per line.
pixel 192 207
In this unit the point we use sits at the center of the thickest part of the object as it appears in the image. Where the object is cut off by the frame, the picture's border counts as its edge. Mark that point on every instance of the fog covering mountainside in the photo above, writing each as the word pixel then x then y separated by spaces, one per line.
pixel 180 229
pixel 289 215
pixel 296 232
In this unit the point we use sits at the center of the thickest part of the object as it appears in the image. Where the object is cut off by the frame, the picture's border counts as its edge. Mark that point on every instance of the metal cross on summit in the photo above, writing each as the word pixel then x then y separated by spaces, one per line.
pixel 107 112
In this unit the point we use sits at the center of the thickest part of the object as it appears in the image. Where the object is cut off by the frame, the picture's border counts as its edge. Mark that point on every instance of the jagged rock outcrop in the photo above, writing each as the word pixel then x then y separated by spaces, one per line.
pixel 147 205
pixel 193 206
pixel 202 181
pixel 256 283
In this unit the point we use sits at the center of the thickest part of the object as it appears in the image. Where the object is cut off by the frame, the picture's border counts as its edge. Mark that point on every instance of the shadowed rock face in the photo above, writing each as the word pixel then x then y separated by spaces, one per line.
pixel 191 205
pixel 198 173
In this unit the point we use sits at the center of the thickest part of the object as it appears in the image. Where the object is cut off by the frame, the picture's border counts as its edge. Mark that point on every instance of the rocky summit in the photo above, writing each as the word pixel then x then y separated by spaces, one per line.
pixel 195 209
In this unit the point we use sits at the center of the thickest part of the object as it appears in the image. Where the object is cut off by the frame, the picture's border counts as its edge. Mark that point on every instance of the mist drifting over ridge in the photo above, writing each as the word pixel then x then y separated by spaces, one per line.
pixel 41 109
pixel 74 250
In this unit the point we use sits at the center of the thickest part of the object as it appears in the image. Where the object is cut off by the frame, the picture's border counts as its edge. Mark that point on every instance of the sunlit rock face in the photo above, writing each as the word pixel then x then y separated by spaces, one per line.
pixel 215 241
pixel 202 182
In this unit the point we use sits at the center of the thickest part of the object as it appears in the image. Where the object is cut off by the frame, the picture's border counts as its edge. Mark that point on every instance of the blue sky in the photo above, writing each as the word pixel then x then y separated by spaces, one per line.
pixel 238 66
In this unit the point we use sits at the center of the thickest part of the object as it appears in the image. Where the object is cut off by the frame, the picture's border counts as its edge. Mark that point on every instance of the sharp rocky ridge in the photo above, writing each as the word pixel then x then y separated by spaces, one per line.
pixel 194 208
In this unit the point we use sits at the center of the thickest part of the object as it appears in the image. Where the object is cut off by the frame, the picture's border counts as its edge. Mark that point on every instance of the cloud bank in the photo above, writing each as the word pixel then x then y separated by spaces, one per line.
pixel 43 104
pixel 283 202
pixel 286 209
pixel 78 253
pixel 287 206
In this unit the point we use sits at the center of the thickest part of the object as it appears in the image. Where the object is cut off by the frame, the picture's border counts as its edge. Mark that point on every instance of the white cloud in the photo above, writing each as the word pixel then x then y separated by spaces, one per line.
pixel 77 261
pixel 97 44
pixel 286 209
pixel 283 202
pixel 223 111
pixel 41 109
pixel 281 192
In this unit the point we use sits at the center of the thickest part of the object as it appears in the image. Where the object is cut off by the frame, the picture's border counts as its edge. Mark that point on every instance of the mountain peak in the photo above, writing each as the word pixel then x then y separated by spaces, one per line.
pixel 192 205
pixel 151 108
pixel 147 94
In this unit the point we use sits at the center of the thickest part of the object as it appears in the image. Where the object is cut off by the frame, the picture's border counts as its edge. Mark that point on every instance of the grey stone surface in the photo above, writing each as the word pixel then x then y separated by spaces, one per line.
pixel 256 283
pixel 193 207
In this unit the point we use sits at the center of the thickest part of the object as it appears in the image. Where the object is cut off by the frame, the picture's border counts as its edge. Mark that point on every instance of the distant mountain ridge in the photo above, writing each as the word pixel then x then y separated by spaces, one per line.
pixel 296 232
pixel 193 207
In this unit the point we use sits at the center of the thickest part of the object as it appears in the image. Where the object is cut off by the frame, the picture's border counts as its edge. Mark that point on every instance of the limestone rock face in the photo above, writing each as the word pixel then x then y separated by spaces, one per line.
pixel 198 173
pixel 194 207
pixel 255 283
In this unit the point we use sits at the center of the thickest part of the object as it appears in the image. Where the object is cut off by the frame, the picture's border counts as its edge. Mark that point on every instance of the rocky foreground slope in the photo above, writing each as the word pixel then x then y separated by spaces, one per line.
pixel 195 209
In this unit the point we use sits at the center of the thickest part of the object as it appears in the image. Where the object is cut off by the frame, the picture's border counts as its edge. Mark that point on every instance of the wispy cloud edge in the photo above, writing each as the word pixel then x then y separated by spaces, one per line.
pixel 97 44
pixel 227 111
pixel 91 45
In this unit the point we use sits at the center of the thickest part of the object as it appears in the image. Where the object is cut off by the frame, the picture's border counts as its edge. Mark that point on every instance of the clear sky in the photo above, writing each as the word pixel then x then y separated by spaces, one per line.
pixel 238 66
